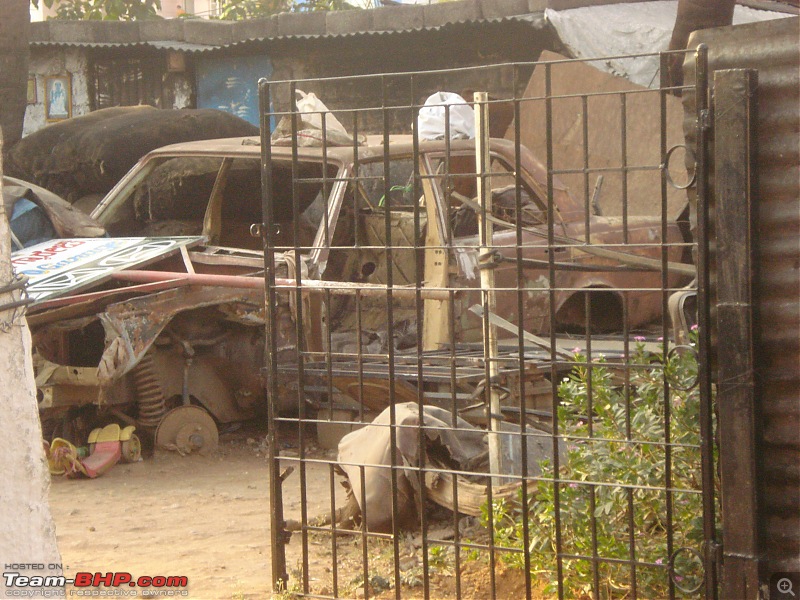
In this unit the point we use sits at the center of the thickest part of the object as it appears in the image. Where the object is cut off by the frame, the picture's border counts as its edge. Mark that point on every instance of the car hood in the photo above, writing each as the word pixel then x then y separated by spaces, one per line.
pixel 68 221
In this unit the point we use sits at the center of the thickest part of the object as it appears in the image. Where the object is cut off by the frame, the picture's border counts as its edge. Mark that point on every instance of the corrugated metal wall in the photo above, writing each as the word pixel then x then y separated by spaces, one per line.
pixel 772 49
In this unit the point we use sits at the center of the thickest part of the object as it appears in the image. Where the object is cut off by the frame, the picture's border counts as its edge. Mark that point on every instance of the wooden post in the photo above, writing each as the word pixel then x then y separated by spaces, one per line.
pixel 734 105
pixel 485 247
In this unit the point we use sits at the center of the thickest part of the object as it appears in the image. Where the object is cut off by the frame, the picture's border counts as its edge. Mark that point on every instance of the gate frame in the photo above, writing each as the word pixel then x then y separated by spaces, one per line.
pixel 712 548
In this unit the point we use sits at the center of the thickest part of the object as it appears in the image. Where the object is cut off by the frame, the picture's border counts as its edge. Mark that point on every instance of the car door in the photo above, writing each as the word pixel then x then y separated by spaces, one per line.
pixel 455 186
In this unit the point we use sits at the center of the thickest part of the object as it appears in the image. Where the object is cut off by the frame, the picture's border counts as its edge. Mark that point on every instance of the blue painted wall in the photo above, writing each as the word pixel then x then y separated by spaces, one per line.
pixel 230 83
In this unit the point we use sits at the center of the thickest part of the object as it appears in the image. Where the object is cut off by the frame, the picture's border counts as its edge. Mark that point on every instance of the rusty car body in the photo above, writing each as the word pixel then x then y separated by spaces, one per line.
pixel 186 326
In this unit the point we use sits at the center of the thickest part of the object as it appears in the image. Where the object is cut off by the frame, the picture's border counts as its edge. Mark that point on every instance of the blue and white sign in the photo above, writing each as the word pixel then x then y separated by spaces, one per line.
pixel 60 267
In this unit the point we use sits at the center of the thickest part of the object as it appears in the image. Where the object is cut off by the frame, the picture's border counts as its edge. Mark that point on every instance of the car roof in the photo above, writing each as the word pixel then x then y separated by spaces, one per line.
pixel 372 147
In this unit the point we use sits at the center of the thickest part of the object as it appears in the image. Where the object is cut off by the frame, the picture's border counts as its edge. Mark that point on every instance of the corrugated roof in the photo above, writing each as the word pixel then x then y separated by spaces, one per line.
pixel 533 20
pixel 163 45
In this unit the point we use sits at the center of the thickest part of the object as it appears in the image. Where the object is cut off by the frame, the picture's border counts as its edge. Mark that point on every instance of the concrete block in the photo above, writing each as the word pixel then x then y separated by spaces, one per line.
pixel 213 33
pixel 252 29
pixel 398 18
pixel 312 23
pixel 71 31
pixel 40 31
pixel 159 30
pixel 493 9
pixel 338 22
pixel 120 32
pixel 451 12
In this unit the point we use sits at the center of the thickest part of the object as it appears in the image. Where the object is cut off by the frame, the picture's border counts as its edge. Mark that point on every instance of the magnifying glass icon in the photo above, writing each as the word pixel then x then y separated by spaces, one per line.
pixel 785 587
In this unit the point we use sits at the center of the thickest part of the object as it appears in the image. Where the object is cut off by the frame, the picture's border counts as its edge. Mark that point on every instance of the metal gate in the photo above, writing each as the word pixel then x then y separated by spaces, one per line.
pixel 487 322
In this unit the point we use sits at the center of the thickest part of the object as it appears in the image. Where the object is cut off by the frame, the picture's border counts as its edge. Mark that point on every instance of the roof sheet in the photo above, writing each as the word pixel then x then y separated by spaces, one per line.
pixel 533 20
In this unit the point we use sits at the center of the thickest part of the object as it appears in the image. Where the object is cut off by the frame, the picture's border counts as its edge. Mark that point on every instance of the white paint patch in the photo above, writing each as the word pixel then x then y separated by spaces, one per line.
pixel 183 94
pixel 60 61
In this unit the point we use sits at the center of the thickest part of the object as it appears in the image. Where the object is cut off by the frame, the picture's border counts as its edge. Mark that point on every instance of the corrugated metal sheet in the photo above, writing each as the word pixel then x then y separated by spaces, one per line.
pixel 533 21
pixel 161 45
pixel 772 49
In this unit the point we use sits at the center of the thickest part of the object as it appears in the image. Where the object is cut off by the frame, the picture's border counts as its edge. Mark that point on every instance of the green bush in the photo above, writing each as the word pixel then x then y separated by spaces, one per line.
pixel 614 472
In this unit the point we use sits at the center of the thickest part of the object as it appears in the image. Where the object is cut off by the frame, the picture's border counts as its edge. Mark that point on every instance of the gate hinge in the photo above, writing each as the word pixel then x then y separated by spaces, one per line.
pixel 705 119
pixel 714 556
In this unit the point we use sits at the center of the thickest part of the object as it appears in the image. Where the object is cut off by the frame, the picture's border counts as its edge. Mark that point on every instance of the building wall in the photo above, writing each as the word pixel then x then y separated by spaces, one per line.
pixel 230 83
pixel 176 89
pixel 60 61
pixel 413 52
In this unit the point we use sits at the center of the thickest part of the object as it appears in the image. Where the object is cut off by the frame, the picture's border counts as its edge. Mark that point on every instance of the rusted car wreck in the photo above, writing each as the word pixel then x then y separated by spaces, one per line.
pixel 162 324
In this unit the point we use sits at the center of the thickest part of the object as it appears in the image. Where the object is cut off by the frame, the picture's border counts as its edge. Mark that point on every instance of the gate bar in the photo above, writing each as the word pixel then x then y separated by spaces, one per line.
pixel 707 441
pixel 277 525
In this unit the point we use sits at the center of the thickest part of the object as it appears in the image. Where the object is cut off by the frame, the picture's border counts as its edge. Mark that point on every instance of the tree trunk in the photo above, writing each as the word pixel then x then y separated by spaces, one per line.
pixel 29 536
pixel 14 34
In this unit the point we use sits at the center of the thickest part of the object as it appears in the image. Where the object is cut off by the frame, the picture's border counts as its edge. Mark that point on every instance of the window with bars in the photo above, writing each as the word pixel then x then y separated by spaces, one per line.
pixel 127 82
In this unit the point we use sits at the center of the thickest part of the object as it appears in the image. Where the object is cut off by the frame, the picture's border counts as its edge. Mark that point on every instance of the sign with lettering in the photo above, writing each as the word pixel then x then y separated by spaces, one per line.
pixel 61 267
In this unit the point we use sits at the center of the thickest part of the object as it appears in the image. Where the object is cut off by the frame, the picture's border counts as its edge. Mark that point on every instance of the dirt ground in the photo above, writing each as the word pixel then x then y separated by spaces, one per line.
pixel 207 518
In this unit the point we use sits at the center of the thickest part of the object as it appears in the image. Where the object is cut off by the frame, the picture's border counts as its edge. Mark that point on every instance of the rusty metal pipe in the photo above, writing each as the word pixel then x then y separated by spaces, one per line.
pixel 311 285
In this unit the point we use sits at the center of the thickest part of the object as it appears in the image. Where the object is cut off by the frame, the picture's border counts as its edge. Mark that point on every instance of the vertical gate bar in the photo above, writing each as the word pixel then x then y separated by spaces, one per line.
pixel 357 238
pixel 364 533
pixel 334 555
pixel 585 146
pixel 587 311
pixel 593 525
pixel 486 246
pixel 327 242
pixel 548 94
pixel 452 330
pixel 632 543
pixel 662 95
pixel 704 325
pixel 523 422
pixel 277 533
pixel 626 353
pixel 485 240
pixel 390 347
pixel 734 114
pixel 300 338
pixel 623 145
pixel 419 263
pixel 590 427
pixel 328 355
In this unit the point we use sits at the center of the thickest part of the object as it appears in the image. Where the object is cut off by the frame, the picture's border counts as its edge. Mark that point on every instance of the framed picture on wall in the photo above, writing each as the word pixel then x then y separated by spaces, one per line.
pixel 32 96
pixel 57 98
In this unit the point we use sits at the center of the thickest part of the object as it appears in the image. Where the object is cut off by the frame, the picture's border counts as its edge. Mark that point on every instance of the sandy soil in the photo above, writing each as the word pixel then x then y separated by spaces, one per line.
pixel 207 518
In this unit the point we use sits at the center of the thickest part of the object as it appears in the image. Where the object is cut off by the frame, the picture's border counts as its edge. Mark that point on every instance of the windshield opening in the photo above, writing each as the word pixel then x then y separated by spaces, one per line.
pixel 172 194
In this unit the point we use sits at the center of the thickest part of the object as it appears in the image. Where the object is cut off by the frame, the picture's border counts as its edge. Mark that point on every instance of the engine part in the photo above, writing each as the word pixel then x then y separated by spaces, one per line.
pixel 149 393
pixel 188 430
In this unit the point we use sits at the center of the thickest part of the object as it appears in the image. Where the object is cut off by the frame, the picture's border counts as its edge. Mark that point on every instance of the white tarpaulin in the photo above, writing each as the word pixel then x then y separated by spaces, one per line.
pixel 623 29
